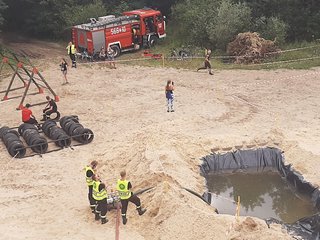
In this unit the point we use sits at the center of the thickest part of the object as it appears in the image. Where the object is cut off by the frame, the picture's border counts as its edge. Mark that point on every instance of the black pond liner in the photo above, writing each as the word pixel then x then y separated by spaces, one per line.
pixel 264 159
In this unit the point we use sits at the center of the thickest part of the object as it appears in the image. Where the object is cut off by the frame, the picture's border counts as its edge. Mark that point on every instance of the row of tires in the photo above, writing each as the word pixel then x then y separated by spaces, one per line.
pixel 52 131
pixel 12 142
pixel 31 135
pixel 70 128
pixel 71 125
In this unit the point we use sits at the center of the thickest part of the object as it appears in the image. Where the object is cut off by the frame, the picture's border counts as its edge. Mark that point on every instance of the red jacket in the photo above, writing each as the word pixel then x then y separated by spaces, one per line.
pixel 26 114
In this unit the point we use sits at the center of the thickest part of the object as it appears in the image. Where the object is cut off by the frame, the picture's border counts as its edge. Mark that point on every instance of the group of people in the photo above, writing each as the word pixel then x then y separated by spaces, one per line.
pixel 28 117
pixel 71 50
pixel 98 194
pixel 109 55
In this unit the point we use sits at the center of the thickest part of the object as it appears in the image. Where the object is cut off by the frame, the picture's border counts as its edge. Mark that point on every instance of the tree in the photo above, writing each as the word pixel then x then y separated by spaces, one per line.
pixel 272 28
pixel 3 6
pixel 230 20
pixel 191 19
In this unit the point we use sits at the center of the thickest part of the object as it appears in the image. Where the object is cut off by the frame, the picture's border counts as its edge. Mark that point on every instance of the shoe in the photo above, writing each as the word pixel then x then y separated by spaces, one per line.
pixel 92 209
pixel 104 220
pixel 124 220
pixel 168 110
pixel 172 110
pixel 97 216
pixel 141 211
pixel 211 73
pixel 42 120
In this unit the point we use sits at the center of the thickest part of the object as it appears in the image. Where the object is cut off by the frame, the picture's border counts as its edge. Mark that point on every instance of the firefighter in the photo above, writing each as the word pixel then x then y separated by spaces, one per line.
pixel 72 53
pixel 126 196
pixel 90 171
pixel 207 64
pixel 99 193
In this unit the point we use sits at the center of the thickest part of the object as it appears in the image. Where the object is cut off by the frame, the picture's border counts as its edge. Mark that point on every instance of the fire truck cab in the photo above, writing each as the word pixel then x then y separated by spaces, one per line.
pixel 135 29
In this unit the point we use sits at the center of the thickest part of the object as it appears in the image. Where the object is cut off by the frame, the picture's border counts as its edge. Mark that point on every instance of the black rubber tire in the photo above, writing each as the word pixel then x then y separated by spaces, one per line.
pixel 55 116
pixel 71 130
pixel 25 126
pixel 152 41
pixel 65 118
pixel 47 126
pixel 116 50
pixel 68 125
pixel 9 137
pixel 30 134
pixel 86 137
pixel 8 130
pixel 63 141
pixel 39 144
pixel 54 133
pixel 17 149
pixel 2 130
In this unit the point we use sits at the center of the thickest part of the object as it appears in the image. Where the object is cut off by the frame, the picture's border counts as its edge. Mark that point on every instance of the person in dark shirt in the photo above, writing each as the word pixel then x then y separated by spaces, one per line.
pixel 207 64
pixel 50 108
pixel 64 70
pixel 169 95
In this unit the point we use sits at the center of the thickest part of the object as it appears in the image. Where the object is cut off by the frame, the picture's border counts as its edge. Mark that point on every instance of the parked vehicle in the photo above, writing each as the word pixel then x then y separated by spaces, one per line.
pixel 134 30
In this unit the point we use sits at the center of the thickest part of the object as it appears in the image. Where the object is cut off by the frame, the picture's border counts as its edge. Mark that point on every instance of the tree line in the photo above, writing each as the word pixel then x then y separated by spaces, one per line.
pixel 201 22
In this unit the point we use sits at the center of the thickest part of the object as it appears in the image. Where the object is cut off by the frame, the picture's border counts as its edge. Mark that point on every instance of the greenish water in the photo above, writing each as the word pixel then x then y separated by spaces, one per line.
pixel 262 195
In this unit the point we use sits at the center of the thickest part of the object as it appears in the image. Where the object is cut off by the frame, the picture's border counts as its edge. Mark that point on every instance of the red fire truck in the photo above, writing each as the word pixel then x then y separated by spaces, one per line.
pixel 135 29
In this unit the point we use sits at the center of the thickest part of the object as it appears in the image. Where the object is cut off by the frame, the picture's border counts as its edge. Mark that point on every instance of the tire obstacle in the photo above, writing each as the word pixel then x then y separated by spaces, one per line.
pixel 21 67
pixel 60 136
pixel 31 135
pixel 12 142
pixel 52 131
pixel 71 125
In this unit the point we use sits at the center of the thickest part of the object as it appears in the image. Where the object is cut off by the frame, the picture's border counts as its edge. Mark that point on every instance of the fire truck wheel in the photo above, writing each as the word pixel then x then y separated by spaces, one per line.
pixel 116 50
pixel 153 41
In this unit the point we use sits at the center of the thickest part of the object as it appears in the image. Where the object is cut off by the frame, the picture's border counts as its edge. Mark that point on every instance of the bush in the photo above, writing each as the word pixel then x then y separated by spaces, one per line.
pixel 272 28
pixel 230 20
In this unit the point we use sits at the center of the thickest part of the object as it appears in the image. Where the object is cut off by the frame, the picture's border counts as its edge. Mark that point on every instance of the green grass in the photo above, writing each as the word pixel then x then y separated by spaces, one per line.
pixel 275 62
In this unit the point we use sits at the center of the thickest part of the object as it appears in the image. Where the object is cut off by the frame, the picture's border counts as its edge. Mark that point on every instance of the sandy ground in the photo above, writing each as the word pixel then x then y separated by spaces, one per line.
pixel 46 197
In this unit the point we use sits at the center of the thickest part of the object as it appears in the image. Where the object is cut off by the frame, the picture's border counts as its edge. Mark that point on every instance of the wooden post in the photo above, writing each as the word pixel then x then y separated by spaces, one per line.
pixel 238 209
pixel 162 60
pixel 118 221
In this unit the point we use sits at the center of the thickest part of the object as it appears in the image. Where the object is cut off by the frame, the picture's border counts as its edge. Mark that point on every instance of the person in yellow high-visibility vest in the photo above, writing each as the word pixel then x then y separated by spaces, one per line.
pixel 99 193
pixel 90 171
pixel 72 53
pixel 126 196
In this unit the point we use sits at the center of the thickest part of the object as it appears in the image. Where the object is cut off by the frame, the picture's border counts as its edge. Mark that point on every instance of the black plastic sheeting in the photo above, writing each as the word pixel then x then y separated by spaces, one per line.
pixel 265 159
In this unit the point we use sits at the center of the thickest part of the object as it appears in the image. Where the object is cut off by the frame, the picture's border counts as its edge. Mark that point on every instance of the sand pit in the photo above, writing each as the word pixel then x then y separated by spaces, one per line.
pixel 46 198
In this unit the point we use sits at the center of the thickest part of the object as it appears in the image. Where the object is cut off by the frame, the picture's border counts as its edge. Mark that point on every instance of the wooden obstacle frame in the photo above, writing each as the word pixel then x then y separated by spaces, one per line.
pixel 20 65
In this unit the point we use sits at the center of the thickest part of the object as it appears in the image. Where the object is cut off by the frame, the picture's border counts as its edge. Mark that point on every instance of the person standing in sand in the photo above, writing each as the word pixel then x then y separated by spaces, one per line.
pixel 90 171
pixel 126 196
pixel 169 95
pixel 99 193
pixel 64 70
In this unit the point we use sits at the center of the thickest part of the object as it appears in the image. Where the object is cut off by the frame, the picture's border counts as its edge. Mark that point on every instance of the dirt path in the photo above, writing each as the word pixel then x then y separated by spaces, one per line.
pixel 45 198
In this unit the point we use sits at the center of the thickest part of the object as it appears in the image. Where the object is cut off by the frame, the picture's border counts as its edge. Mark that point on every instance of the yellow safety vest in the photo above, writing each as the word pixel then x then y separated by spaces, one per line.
pixel 96 194
pixel 73 49
pixel 122 188
pixel 89 180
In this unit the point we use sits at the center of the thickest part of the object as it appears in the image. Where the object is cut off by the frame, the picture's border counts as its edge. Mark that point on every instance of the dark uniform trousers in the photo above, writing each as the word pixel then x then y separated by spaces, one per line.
pixel 102 208
pixel 92 201
pixel 124 203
